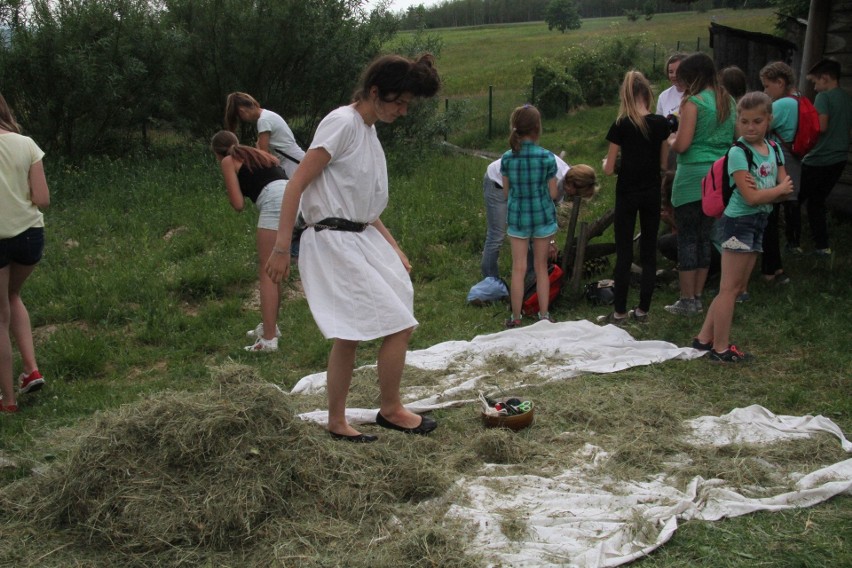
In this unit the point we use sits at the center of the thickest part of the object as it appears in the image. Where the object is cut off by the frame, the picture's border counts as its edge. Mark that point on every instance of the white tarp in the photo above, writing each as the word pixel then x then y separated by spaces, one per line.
pixel 551 351
pixel 579 517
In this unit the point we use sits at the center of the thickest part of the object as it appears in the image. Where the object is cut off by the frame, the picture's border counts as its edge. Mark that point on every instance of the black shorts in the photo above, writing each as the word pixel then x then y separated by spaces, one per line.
pixel 25 248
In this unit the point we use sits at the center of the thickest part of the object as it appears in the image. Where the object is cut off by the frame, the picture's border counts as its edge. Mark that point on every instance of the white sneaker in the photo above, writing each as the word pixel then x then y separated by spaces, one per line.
pixel 258 331
pixel 262 344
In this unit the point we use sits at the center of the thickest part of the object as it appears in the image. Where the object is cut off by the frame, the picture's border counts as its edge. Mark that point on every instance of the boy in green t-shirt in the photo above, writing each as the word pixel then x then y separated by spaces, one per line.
pixel 823 165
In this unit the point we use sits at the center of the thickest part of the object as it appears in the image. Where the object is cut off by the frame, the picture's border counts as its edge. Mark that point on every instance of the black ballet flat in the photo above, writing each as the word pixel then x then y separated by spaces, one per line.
pixel 426 425
pixel 356 439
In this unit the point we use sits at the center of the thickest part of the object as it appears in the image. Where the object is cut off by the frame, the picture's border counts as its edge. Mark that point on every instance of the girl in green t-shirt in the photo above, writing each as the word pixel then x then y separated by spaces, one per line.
pixel 759 184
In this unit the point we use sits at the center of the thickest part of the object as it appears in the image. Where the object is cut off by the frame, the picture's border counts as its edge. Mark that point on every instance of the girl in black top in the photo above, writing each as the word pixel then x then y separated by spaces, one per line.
pixel 641 137
pixel 255 174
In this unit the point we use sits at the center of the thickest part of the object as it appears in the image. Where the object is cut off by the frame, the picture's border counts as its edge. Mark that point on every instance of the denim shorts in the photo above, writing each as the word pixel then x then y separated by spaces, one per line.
pixel 25 248
pixel 742 234
pixel 269 204
pixel 539 232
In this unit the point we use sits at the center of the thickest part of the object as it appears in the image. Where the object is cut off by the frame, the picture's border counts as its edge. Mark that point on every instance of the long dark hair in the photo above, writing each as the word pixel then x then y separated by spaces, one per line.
pixel 235 102
pixel 698 73
pixel 225 143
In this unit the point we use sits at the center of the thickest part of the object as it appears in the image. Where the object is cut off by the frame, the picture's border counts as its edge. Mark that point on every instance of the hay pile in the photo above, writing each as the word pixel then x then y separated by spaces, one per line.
pixel 228 475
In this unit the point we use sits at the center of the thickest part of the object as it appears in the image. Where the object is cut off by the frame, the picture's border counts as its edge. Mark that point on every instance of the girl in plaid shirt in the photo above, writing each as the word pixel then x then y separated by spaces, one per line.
pixel 529 180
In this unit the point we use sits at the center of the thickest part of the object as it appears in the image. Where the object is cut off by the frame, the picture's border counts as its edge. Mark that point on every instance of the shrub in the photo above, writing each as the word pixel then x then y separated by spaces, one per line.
pixel 554 90
pixel 599 68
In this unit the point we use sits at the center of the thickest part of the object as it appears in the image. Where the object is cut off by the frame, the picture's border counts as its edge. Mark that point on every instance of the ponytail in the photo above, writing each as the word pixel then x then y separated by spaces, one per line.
pixel 525 121
pixel 225 143
pixel 635 91
pixel 235 102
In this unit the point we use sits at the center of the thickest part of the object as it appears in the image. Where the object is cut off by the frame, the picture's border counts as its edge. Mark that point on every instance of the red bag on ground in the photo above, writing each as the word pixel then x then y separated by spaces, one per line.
pixel 530 305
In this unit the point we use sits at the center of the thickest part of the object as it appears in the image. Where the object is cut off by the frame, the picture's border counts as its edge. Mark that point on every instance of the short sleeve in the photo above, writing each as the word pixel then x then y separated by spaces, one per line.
pixel 614 135
pixel 737 160
pixel 821 103
pixel 334 134
pixel 551 165
pixel 504 170
pixel 263 124
pixel 36 153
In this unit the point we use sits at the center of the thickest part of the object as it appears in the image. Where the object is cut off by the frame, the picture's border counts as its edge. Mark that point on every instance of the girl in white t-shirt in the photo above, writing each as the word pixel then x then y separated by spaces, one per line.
pixel 23 191
pixel 354 273
pixel 273 133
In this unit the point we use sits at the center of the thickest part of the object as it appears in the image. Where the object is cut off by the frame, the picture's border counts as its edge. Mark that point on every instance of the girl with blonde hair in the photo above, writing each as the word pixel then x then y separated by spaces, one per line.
pixel 641 138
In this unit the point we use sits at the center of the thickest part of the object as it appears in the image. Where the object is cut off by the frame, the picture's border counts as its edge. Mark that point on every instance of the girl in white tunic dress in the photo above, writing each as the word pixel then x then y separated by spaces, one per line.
pixel 354 274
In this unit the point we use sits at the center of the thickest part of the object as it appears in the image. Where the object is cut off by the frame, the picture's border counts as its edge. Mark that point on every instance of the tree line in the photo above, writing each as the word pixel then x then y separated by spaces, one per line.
pixel 455 13
pixel 90 76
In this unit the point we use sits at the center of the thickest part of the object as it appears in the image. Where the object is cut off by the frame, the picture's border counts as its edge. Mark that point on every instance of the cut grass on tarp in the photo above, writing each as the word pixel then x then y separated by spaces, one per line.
pixel 231 476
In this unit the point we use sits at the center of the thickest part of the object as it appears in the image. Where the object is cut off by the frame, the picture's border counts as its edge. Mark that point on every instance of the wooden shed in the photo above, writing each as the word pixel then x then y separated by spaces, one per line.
pixel 749 51
pixel 827 33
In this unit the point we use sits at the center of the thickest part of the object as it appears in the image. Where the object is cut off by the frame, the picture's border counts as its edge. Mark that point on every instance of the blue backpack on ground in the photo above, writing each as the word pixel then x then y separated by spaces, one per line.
pixel 488 291
pixel 716 188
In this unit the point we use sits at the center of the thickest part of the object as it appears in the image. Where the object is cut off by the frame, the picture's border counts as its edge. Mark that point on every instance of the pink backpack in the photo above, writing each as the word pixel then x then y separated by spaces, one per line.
pixel 716 188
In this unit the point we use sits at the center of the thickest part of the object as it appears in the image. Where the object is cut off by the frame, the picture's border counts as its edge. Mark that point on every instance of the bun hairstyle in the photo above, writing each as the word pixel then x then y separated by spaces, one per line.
pixel 779 70
pixel 525 121
pixel 7 119
pixel 393 75
pixel 697 73
pixel 225 143
pixel 755 100
pixel 584 180
pixel 235 102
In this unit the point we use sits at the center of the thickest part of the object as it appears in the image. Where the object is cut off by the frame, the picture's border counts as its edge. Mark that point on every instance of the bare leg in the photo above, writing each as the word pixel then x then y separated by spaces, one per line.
pixel 541 248
pixel 687 279
pixel 700 280
pixel 736 270
pixel 270 292
pixel 341 362
pixel 390 365
pixel 20 328
pixel 519 270
pixel 6 386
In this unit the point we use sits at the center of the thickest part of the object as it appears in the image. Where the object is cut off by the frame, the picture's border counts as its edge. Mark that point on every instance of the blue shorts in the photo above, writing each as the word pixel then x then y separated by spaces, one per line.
pixel 25 248
pixel 742 234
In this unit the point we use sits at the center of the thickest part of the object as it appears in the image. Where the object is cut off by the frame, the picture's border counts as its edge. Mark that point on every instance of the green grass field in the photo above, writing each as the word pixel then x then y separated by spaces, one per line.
pixel 147 289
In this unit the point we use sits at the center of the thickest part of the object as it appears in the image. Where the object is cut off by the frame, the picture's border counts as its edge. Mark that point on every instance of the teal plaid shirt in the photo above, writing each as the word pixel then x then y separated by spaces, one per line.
pixel 529 171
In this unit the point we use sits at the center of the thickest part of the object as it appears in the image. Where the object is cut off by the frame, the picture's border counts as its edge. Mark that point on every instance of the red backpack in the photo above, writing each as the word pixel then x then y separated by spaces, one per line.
pixel 807 129
pixel 716 188
pixel 530 304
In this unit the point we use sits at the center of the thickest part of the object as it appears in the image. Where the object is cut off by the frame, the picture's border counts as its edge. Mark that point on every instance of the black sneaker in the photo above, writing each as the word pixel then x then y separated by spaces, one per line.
pixel 731 355
pixel 701 346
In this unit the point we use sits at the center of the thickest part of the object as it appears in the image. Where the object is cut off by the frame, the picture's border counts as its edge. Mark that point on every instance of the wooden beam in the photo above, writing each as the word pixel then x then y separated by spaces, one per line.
pixel 814 48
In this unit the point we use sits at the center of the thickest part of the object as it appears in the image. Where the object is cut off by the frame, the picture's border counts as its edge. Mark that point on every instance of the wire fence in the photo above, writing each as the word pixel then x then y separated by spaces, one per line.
pixel 488 115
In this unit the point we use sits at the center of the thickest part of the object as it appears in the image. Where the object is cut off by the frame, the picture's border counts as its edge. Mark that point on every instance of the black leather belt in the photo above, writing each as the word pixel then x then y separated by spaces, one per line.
pixel 335 224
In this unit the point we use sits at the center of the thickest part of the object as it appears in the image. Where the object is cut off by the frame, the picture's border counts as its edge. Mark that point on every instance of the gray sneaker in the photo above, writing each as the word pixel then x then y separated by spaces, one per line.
pixel 699 306
pixel 683 307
